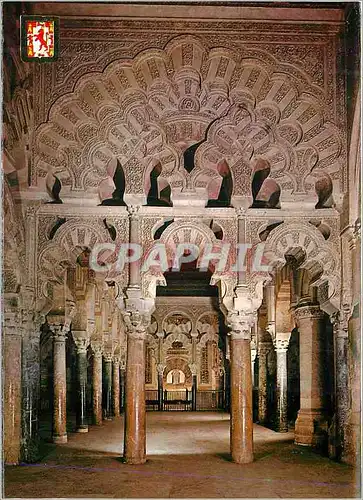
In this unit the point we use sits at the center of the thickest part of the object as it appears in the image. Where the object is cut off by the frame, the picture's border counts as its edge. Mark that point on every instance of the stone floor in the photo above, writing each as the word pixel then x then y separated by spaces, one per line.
pixel 188 457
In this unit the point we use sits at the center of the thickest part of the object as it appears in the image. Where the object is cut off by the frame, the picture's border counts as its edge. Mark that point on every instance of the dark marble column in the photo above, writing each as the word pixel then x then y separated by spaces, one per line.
pixel 311 423
pixel 12 338
pixel 59 434
pixel 135 417
pixel 194 392
pixel 122 388
pixel 263 350
pixel 281 385
pixel 97 382
pixel 30 386
pixel 342 400
pixel 82 342
pixel 241 423
pixel 107 386
pixel 160 369
pixel 116 386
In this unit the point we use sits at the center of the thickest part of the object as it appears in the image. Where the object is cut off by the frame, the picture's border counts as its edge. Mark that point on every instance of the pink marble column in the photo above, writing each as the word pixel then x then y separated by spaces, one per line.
pixel 241 423
pixel 12 387
pixel 116 386
pixel 97 382
pixel 135 418
pixel 59 384
pixel 311 423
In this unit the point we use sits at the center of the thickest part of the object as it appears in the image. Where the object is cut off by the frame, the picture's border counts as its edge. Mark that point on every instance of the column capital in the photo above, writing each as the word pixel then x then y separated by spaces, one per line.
pixel 240 324
pixel 240 212
pixel 308 312
pixel 81 340
pixel 136 323
pixel 59 333
pixel 108 356
pixel 160 367
pixel 193 368
pixel 133 211
pixel 339 321
pixel 281 345
pixel 97 348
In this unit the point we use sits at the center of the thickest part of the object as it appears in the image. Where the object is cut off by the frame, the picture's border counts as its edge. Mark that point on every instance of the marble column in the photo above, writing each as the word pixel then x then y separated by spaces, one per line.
pixel 59 433
pixel 135 409
pixel 134 267
pixel 281 347
pixel 241 423
pixel 97 382
pixel 122 388
pixel 116 386
pixel 194 392
pixel 30 386
pixel 12 329
pixel 263 350
pixel 107 386
pixel 311 423
pixel 342 399
pixel 160 369
pixel 81 341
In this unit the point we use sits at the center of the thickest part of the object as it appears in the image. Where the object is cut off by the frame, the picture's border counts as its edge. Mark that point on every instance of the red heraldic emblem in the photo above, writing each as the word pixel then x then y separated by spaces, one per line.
pixel 39 38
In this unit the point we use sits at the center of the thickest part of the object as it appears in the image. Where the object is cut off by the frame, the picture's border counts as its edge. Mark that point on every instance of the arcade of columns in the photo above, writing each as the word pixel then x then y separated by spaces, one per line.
pixel 277 164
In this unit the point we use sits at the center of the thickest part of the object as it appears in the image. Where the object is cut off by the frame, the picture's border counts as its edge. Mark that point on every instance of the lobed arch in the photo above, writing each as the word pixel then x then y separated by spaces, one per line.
pixel 315 257
pixel 70 241
pixel 238 106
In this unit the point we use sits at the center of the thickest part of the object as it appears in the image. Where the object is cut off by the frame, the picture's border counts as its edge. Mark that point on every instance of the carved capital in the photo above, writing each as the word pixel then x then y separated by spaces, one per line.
pixel 136 323
pixel 58 332
pixel 312 312
pixel 108 356
pixel 340 321
pixel 193 368
pixel 81 340
pixel 281 345
pixel 240 212
pixel 240 325
pixel 97 348
pixel 133 211
pixel 160 368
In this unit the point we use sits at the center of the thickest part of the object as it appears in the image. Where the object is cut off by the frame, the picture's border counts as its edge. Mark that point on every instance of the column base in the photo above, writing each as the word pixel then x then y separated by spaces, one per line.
pixel 311 429
pixel 134 460
pixel 245 459
pixel 60 439
pixel 82 429
pixel 108 418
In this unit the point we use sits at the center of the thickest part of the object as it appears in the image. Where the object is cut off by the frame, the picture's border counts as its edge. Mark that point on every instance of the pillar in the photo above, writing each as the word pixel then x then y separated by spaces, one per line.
pixel 281 347
pixel 59 433
pixel 342 399
pixel 97 382
pixel 263 349
pixel 311 423
pixel 135 417
pixel 30 386
pixel 81 341
pixel 134 267
pixel 160 369
pixel 116 386
pixel 194 392
pixel 12 329
pixel 107 386
pixel 122 387
pixel 241 423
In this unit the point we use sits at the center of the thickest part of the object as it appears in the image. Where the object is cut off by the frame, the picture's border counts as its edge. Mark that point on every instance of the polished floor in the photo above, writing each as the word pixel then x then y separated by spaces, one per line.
pixel 188 457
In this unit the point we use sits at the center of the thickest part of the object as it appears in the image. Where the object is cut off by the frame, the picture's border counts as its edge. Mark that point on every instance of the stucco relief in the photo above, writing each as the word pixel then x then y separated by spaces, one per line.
pixel 163 101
